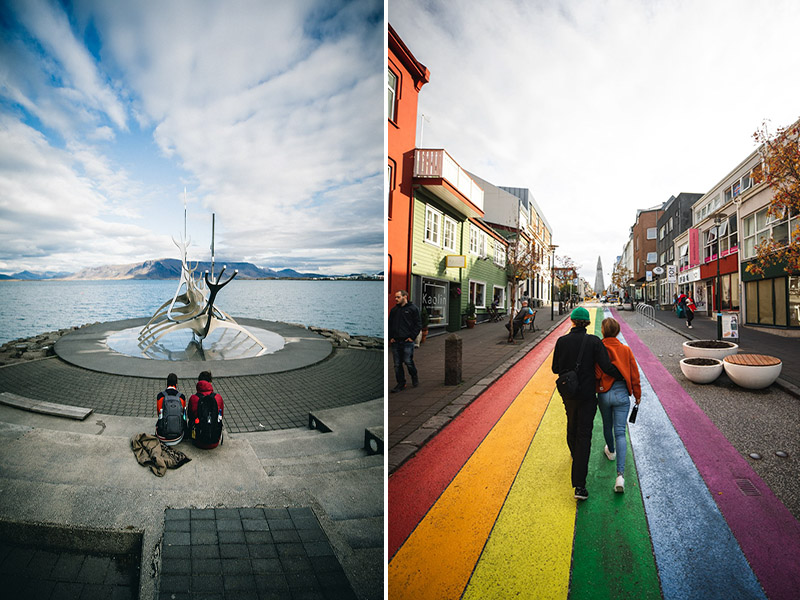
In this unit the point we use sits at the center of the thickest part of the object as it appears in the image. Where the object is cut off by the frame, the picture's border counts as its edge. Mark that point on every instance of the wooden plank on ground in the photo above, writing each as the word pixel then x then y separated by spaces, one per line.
pixel 78 413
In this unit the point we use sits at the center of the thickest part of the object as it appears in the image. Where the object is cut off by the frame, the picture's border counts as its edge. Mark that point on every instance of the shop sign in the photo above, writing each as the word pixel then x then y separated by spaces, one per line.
pixel 456 261
pixel 672 275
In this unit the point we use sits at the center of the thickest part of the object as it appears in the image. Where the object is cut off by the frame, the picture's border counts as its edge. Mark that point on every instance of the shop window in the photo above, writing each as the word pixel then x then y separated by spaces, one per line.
pixel 500 294
pixel 780 301
pixel 751 295
pixel 794 301
pixel 765 302
pixel 477 294
pixel 435 300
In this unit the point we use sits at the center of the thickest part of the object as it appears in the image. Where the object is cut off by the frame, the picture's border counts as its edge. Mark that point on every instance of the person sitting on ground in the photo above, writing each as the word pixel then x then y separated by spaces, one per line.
pixel 521 319
pixel 206 410
pixel 613 397
pixel 171 411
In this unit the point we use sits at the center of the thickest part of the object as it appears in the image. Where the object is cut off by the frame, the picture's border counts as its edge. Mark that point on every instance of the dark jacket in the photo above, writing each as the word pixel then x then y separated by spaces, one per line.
pixel 404 322
pixel 565 356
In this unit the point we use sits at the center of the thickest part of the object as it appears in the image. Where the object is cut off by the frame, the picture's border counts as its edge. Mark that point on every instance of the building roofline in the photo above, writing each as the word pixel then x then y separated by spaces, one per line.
pixel 418 71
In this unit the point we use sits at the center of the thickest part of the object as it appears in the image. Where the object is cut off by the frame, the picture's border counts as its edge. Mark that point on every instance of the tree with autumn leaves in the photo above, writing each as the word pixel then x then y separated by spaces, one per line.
pixel 780 170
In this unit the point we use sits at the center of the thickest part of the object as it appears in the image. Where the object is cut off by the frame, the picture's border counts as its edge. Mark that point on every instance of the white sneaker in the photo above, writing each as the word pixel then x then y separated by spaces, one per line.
pixel 619 485
pixel 609 455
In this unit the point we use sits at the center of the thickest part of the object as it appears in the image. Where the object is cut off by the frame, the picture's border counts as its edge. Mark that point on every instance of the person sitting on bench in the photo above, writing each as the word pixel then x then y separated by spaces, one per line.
pixel 521 319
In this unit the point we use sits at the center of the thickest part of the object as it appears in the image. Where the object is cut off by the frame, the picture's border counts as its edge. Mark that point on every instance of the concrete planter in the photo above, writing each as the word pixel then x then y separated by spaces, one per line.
pixel 721 349
pixel 701 373
pixel 753 377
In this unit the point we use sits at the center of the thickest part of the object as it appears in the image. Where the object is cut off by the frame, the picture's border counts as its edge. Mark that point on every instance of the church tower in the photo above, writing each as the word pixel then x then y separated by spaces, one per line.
pixel 599 285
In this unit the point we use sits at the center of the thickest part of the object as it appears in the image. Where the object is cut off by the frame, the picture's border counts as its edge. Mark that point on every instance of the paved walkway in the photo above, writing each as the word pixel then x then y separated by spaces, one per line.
pixel 277 510
pixel 485 508
pixel 415 414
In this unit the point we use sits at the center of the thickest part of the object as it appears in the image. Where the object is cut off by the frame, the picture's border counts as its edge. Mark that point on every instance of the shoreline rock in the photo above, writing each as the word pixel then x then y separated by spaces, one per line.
pixel 43 345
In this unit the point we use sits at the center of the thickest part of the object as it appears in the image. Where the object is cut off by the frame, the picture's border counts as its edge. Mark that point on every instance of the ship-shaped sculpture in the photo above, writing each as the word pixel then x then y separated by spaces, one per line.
pixel 192 307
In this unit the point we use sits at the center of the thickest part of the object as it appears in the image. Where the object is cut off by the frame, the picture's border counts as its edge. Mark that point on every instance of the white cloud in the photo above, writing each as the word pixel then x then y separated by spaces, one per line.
pixel 601 108
pixel 268 112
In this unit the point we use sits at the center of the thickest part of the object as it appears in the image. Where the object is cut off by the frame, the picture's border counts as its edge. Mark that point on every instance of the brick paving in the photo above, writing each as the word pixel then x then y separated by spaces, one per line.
pixel 248 553
pixel 41 573
pixel 252 402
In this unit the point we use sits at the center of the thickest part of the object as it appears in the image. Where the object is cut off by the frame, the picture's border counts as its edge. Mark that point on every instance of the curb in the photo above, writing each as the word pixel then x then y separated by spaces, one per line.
pixel 412 443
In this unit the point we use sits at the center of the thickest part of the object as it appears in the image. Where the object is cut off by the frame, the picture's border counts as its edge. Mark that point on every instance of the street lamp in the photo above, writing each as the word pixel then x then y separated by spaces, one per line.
pixel 719 220
pixel 552 278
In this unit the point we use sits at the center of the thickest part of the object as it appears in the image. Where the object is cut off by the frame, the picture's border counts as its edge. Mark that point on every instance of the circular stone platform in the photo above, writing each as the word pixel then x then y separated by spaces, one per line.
pixel 88 348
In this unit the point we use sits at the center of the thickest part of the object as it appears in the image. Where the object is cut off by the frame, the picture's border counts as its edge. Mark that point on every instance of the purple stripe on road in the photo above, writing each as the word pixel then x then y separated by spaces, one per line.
pixel 766 531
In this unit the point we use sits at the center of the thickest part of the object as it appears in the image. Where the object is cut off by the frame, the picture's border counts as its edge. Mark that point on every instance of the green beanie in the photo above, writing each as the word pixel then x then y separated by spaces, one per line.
pixel 580 314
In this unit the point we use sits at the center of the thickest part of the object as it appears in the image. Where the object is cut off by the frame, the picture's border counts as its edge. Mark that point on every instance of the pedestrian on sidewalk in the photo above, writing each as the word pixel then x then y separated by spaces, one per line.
pixel 688 308
pixel 581 351
pixel 405 323
pixel 613 397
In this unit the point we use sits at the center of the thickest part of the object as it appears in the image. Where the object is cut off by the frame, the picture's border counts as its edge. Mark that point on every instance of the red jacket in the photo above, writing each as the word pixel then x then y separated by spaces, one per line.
pixel 621 357
pixel 203 388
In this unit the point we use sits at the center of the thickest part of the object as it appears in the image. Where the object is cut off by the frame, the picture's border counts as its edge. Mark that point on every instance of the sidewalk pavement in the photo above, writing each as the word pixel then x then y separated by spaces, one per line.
pixel 415 415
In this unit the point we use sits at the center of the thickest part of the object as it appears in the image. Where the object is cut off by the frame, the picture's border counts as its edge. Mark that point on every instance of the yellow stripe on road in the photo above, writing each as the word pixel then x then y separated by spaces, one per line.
pixel 438 558
pixel 530 548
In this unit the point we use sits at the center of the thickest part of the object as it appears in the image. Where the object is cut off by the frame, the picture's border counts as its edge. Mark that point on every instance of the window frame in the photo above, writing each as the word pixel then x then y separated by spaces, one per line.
pixel 391 106
pixel 430 211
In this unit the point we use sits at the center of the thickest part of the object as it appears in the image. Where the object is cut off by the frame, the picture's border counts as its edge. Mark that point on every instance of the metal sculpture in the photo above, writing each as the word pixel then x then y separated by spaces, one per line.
pixel 194 308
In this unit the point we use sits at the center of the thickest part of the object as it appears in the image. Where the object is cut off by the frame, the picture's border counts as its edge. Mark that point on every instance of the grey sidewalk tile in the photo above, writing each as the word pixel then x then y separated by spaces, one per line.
pixel 234 551
pixel 280 524
pixel 231 537
pixel 253 538
pixel 177 538
pixel 229 525
pixel 280 536
pixel 251 513
pixel 255 525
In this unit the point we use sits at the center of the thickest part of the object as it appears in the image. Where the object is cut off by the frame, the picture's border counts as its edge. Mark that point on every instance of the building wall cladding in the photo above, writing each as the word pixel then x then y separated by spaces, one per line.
pixel 402 132
pixel 646 219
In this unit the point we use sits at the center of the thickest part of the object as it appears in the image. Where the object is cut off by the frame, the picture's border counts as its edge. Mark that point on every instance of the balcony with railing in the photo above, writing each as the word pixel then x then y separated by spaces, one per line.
pixel 437 172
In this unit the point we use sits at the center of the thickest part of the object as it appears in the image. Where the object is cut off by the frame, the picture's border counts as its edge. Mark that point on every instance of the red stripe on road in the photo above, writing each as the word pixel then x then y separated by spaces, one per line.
pixel 415 487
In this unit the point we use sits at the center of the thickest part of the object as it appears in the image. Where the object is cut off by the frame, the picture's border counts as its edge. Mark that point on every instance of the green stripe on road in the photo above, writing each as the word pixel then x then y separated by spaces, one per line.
pixel 612 555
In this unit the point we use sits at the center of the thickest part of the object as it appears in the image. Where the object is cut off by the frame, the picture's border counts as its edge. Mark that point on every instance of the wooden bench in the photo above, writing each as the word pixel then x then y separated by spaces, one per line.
pixel 47 408
pixel 752 360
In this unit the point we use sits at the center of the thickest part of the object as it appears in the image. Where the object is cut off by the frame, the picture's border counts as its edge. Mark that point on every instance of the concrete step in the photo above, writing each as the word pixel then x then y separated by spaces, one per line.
pixel 373 440
pixel 320 464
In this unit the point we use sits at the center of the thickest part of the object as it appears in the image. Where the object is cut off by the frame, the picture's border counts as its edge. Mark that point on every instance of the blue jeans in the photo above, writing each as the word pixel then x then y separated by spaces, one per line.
pixel 403 354
pixel 614 406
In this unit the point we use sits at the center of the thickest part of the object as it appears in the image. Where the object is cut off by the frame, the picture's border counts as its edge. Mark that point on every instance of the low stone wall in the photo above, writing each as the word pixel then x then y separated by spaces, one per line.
pixel 42 345
pixel 342 339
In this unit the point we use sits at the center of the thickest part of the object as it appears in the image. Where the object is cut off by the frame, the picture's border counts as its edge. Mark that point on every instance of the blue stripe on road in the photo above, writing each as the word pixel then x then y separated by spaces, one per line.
pixel 696 553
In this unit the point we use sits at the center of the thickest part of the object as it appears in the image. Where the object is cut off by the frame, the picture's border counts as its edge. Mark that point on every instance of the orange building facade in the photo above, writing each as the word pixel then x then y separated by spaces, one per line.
pixel 405 78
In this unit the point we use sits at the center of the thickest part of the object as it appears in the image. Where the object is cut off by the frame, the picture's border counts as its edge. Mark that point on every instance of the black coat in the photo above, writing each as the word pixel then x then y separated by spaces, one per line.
pixel 565 356
pixel 404 322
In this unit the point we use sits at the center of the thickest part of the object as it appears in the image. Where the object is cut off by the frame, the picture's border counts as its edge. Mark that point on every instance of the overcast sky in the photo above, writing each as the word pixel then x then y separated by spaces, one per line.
pixel 601 108
pixel 269 113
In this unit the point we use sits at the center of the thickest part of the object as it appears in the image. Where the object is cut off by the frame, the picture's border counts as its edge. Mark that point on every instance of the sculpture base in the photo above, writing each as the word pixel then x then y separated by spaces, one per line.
pixel 221 344
pixel 87 347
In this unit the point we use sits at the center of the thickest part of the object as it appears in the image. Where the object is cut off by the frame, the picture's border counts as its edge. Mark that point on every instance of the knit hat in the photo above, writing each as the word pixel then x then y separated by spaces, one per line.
pixel 580 314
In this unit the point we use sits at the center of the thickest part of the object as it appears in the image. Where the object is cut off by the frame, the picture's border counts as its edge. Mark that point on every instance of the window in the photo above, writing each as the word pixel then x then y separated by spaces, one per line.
pixel 499 254
pixel 477 294
pixel 651 233
pixel 500 294
pixel 663 259
pixel 758 228
pixel 477 241
pixel 683 251
pixel 389 184
pixel 669 225
pixel 391 96
pixel 652 257
pixel 433 224
pixel 661 232
pixel 450 228
pixel 671 254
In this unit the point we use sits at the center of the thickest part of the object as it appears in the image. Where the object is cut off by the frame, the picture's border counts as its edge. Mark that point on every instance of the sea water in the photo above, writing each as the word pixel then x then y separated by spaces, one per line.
pixel 28 308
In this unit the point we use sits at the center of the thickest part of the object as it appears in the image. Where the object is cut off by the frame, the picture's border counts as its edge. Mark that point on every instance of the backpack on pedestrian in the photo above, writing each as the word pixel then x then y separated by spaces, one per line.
pixel 172 416
pixel 207 428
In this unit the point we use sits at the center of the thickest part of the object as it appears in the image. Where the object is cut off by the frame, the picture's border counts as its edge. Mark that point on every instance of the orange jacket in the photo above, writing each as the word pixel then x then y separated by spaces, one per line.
pixel 621 357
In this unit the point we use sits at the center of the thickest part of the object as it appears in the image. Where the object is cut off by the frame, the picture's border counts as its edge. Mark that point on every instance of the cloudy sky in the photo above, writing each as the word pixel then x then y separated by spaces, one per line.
pixel 601 108
pixel 268 113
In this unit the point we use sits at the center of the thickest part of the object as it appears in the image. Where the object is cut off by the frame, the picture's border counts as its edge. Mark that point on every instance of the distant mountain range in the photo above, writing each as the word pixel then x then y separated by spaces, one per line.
pixel 170 268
